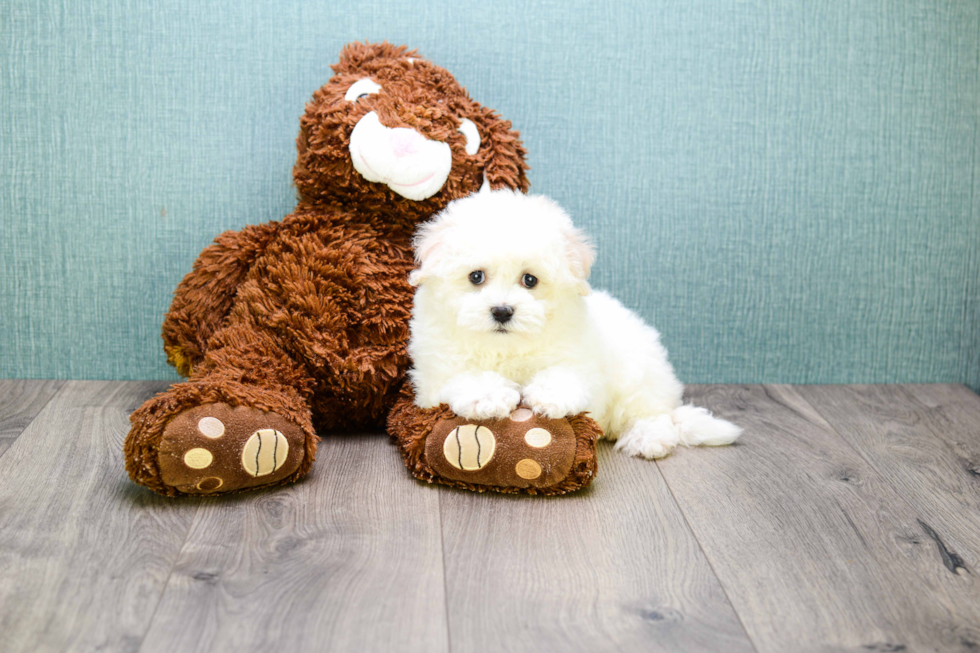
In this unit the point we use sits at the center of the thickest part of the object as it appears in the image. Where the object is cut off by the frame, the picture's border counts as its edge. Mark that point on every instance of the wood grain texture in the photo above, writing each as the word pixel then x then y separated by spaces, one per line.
pixel 925 440
pixel 84 553
pixel 816 550
pixel 349 559
pixel 613 567
pixel 851 526
pixel 20 402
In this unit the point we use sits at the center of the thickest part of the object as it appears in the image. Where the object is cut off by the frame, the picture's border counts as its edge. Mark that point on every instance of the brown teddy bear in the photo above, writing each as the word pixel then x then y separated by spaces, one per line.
pixel 303 322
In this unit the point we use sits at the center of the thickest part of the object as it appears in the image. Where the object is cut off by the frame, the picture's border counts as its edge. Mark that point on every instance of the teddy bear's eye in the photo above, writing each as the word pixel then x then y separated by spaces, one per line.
pixel 472 135
pixel 477 277
pixel 529 280
pixel 361 88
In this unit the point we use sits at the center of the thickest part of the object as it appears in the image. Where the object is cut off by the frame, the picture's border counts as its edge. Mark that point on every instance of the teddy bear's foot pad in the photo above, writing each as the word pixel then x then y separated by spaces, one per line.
pixel 217 448
pixel 522 451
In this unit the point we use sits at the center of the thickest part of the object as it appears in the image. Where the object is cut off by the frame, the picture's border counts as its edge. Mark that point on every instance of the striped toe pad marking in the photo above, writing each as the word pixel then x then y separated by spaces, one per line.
pixel 469 447
pixel 264 452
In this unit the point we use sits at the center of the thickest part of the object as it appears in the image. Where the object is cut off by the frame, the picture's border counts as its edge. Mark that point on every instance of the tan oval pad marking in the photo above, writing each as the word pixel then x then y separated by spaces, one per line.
pixel 528 469
pixel 210 484
pixel 211 427
pixel 198 458
pixel 538 438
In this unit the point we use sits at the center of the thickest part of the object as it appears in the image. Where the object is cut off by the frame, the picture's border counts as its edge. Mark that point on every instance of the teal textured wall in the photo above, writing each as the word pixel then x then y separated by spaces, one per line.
pixel 788 189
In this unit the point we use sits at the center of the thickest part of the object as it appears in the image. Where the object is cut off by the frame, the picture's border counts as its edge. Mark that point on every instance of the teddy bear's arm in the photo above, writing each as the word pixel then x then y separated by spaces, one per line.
pixel 204 298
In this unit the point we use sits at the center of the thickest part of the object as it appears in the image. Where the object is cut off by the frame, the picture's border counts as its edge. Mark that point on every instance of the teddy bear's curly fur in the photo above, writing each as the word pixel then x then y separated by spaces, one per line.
pixel 307 318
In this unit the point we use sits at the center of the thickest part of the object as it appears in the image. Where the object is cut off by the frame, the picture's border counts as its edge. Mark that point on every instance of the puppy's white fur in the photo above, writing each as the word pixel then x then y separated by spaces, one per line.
pixel 565 350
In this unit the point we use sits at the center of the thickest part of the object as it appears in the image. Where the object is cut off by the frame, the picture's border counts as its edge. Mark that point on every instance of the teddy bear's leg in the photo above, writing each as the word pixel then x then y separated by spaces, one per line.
pixel 204 298
pixel 241 422
pixel 521 453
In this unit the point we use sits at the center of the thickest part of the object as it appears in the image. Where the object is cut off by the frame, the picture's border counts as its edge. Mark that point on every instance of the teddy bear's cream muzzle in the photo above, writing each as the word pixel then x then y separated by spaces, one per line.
pixel 407 162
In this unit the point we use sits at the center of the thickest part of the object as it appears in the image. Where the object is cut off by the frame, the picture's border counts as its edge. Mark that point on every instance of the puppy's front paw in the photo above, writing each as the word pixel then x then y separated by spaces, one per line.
pixel 555 399
pixel 499 401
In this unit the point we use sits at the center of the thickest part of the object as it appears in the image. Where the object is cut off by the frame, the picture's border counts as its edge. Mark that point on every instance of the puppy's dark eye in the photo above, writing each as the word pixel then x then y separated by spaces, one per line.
pixel 477 277
pixel 529 280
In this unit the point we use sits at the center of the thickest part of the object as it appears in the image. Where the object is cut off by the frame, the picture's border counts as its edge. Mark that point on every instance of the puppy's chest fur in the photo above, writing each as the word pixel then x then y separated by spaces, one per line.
pixel 518 363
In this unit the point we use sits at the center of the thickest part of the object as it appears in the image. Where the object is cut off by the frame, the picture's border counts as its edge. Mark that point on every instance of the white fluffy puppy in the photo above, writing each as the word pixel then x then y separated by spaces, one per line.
pixel 504 314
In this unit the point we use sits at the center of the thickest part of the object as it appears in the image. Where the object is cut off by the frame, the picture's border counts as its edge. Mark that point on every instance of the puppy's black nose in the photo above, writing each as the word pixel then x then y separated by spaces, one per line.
pixel 502 313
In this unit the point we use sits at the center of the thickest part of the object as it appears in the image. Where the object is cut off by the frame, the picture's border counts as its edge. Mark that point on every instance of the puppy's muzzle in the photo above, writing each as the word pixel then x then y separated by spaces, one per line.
pixel 502 314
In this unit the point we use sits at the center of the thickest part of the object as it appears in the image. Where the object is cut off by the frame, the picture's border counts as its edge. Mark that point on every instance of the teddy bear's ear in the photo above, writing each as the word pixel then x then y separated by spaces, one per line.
pixel 505 165
pixel 355 55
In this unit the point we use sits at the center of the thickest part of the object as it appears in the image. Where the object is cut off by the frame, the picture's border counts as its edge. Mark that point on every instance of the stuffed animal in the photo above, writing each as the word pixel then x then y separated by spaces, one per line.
pixel 303 323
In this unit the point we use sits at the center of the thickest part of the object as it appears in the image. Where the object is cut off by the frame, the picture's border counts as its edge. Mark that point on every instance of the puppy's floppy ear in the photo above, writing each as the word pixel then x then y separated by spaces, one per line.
pixel 580 254
pixel 428 242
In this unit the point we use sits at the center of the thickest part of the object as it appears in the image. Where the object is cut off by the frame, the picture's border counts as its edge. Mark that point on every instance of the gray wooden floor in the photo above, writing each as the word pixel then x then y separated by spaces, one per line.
pixel 847 518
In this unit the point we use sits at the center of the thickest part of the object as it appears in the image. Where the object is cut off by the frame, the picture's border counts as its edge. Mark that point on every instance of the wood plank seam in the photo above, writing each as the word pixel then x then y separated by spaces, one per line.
pixel 339 557
pixel 61 388
pixel 13 439
pixel 445 582
pixel 711 565
pixel 90 543
pixel 614 566
pixel 170 575
pixel 785 515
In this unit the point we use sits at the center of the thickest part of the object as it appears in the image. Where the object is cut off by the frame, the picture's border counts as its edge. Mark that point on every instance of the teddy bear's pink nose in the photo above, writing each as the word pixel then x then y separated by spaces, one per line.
pixel 405 141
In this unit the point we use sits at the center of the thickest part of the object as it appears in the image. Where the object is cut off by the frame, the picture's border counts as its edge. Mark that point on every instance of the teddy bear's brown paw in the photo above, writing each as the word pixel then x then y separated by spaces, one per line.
pixel 520 451
pixel 216 448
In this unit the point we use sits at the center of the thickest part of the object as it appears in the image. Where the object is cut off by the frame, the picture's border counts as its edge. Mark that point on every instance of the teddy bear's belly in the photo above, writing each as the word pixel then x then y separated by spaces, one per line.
pixel 336 298
pixel 366 405
pixel 356 385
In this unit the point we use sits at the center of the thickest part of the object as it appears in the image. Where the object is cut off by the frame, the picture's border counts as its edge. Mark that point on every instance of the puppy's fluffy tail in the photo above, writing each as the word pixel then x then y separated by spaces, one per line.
pixel 698 427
